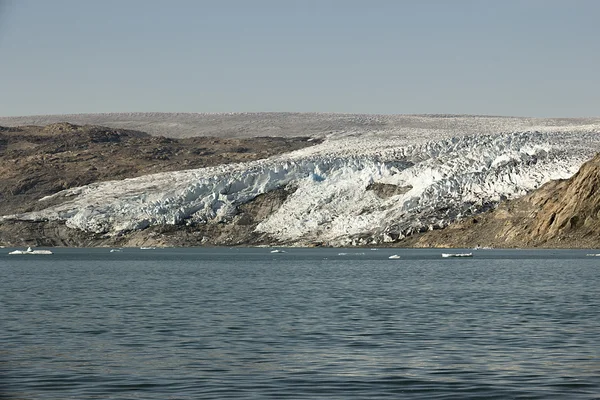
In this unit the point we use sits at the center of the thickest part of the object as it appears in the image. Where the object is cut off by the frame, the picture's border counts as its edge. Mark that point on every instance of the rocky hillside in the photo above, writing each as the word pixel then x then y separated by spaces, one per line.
pixel 560 214
pixel 38 161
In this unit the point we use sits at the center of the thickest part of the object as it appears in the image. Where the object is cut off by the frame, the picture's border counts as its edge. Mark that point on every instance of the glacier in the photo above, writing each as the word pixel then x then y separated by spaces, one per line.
pixel 446 176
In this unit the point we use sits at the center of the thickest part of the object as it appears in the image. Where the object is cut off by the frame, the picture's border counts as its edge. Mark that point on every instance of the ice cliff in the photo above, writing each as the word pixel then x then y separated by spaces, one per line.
pixel 444 177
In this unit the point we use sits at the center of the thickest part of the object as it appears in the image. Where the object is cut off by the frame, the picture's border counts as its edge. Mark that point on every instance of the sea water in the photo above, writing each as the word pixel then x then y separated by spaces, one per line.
pixel 304 324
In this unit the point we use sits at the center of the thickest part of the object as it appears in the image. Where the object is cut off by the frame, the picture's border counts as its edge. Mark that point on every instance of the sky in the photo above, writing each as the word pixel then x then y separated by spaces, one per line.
pixel 537 58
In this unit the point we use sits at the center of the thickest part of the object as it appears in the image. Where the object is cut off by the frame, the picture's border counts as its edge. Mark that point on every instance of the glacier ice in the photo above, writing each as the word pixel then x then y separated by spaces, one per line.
pixel 449 177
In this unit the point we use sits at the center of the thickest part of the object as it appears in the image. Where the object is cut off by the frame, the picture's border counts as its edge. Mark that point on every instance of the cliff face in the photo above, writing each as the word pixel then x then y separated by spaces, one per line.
pixel 561 213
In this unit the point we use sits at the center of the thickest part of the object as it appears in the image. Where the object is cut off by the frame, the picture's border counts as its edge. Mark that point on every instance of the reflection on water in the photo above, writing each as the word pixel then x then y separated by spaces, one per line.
pixel 308 323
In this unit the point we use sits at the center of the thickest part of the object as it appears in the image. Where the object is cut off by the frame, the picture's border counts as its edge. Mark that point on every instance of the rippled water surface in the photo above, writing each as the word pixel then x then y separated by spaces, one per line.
pixel 304 324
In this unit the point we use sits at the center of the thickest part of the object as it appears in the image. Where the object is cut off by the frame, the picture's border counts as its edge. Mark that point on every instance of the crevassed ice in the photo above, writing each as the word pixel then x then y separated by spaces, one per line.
pixel 449 178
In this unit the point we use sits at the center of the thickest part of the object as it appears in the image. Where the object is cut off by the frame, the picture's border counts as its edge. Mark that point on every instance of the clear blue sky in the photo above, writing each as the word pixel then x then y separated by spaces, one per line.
pixel 497 57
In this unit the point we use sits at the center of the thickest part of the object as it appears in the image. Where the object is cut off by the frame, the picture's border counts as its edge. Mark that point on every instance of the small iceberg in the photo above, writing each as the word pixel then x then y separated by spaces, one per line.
pixel 448 255
pixel 277 251
pixel 394 257
pixel 147 248
pixel 30 251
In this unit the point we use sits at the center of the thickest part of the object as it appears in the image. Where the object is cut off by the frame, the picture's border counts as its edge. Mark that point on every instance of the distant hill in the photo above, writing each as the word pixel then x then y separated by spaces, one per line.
pixel 36 161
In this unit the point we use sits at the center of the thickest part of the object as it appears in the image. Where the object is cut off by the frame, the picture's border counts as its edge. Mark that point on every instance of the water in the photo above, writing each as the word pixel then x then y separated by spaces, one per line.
pixel 305 324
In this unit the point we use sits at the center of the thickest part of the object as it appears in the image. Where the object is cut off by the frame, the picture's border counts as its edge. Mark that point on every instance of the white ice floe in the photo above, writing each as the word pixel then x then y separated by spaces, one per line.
pixel 447 176
pixel 30 251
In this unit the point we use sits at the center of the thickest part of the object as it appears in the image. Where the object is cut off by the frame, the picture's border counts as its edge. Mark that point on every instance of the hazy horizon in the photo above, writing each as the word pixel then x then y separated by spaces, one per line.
pixel 333 113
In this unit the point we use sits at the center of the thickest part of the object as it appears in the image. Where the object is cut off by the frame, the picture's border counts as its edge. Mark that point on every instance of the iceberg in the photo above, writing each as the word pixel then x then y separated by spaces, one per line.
pixel 30 251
